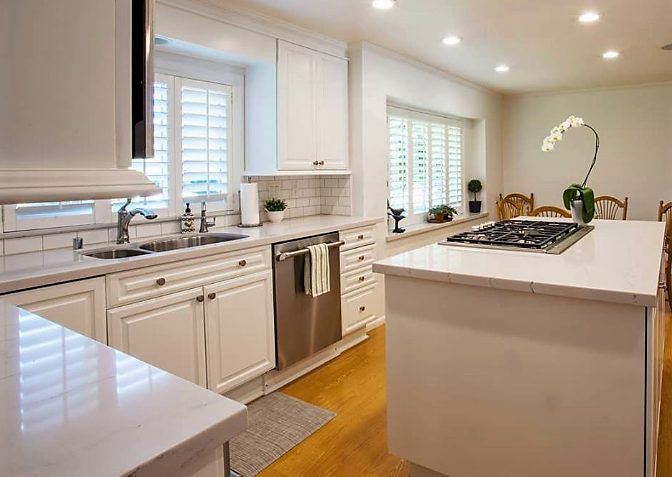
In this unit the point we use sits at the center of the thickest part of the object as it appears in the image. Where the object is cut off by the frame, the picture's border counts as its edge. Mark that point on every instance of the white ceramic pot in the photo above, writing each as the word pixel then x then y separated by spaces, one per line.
pixel 276 216
pixel 577 212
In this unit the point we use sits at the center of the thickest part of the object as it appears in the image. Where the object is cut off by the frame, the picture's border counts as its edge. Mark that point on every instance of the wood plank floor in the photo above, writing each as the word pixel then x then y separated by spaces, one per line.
pixel 354 442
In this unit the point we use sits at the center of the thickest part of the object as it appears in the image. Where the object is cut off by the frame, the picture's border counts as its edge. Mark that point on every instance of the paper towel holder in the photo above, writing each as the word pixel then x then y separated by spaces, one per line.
pixel 241 224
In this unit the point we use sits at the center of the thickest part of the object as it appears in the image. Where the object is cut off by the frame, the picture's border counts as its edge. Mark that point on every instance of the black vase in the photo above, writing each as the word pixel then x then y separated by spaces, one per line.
pixel 475 206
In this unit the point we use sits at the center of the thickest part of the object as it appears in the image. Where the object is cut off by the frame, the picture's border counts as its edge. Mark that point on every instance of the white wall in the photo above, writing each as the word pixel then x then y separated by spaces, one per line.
pixel 377 76
pixel 635 159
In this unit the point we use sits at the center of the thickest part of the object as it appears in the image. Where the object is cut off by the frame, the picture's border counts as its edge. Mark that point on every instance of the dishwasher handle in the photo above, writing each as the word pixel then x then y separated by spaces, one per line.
pixel 285 255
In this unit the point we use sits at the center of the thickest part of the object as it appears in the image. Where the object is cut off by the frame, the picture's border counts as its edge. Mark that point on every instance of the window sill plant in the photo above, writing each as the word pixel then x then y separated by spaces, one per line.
pixel 475 186
pixel 275 209
pixel 578 198
pixel 441 213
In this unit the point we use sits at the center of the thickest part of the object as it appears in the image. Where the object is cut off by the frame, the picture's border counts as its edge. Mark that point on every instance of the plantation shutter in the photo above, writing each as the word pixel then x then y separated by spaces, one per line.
pixel 425 160
pixel 205 110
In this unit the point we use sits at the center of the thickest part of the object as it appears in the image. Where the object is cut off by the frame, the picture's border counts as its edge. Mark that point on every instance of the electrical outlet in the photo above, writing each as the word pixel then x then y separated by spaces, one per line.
pixel 274 188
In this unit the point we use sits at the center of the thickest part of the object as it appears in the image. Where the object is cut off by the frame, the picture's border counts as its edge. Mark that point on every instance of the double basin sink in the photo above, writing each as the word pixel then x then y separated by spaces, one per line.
pixel 164 245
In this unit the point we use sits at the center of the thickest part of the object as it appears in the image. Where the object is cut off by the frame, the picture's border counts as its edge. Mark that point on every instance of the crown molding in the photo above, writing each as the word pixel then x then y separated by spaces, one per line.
pixel 262 24
pixel 597 89
pixel 366 46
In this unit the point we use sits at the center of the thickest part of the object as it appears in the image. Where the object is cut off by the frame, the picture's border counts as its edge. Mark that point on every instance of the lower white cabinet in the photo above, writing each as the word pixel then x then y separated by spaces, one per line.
pixel 361 307
pixel 167 332
pixel 240 330
pixel 79 306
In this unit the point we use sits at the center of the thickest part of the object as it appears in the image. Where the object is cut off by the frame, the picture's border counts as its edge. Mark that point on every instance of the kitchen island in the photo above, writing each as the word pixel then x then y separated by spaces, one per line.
pixel 74 407
pixel 511 363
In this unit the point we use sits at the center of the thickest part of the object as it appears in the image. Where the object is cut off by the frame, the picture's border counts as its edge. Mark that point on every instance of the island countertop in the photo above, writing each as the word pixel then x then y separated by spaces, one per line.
pixel 619 261
pixel 74 407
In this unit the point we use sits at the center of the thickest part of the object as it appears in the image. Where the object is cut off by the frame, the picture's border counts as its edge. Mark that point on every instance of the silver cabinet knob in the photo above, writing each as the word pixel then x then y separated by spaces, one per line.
pixel 316 163
pixel 360 258
pixel 212 296
pixel 362 308
pixel 361 279
pixel 242 263
pixel 320 163
pixel 160 281
pixel 360 237
pixel 200 298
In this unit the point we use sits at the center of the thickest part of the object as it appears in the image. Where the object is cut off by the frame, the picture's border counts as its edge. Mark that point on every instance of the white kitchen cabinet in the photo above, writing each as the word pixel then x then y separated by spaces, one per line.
pixel 312 110
pixel 240 330
pixel 65 106
pixel 167 332
pixel 79 306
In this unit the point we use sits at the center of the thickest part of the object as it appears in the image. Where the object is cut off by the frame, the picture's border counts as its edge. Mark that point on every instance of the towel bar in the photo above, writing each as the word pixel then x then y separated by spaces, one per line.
pixel 285 255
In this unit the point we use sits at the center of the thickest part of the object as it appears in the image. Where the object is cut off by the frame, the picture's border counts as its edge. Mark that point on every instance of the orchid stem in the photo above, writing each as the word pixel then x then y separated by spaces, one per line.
pixel 597 147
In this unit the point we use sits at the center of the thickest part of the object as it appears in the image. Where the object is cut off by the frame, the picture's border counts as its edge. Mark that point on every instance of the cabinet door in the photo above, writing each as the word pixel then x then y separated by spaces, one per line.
pixel 167 332
pixel 79 306
pixel 240 330
pixel 296 107
pixel 361 307
pixel 332 112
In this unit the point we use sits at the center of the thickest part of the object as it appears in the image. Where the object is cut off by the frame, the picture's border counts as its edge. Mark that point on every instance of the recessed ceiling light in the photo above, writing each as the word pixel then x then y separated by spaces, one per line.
pixel 610 55
pixel 502 69
pixel 383 4
pixel 451 40
pixel 589 17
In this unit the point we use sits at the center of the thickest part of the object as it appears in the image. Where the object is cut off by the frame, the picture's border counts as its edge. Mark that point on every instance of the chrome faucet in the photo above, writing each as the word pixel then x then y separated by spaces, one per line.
pixel 203 227
pixel 124 218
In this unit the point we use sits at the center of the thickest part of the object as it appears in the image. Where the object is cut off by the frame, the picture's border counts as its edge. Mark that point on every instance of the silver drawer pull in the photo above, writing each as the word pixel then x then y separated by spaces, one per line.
pixel 242 263
pixel 362 308
pixel 361 279
pixel 161 281
pixel 212 296
pixel 320 163
pixel 315 163
pixel 200 298
pixel 360 258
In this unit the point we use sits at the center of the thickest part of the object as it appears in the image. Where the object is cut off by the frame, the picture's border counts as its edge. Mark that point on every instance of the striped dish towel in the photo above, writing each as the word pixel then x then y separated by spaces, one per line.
pixel 316 273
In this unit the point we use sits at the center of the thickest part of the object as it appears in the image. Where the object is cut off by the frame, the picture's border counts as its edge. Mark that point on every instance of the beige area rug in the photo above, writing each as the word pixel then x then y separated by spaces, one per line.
pixel 276 423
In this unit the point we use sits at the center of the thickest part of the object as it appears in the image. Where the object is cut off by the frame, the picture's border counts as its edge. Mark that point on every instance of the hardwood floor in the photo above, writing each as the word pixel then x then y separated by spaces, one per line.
pixel 354 442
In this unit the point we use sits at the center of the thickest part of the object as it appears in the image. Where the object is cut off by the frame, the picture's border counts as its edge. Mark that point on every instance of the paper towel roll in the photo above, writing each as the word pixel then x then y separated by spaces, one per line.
pixel 249 204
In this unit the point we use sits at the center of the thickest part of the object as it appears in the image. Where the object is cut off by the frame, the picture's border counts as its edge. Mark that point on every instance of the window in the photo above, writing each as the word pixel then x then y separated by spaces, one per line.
pixel 425 162
pixel 197 157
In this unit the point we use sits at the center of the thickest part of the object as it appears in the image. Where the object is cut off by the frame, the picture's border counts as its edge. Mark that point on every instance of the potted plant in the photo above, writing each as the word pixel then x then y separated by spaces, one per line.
pixel 475 186
pixel 275 209
pixel 578 198
pixel 441 213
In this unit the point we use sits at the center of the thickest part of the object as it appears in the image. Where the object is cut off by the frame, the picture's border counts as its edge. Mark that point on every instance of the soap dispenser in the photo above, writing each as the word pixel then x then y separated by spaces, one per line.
pixel 188 221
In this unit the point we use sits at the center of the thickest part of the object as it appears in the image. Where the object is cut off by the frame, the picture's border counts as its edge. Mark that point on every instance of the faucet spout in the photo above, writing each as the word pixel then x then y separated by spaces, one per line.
pixel 124 219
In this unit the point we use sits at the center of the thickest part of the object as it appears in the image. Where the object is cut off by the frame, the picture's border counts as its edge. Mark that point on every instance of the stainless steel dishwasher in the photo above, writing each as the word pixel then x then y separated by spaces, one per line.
pixel 304 324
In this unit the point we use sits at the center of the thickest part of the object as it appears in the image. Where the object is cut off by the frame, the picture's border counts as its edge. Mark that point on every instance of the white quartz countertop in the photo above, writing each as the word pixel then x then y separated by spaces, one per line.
pixel 35 269
pixel 619 261
pixel 72 407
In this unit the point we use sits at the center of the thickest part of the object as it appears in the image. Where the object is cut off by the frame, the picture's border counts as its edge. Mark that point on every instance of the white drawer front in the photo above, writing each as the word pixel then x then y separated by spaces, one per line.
pixel 358 237
pixel 356 279
pixel 361 307
pixel 142 284
pixel 357 258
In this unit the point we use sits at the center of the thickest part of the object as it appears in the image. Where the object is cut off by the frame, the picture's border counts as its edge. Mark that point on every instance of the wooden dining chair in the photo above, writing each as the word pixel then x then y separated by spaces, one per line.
pixel 508 209
pixel 525 203
pixel 665 214
pixel 550 211
pixel 607 208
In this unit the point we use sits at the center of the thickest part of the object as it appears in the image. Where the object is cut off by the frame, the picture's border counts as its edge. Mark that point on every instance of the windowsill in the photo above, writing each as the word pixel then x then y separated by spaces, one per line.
pixel 423 228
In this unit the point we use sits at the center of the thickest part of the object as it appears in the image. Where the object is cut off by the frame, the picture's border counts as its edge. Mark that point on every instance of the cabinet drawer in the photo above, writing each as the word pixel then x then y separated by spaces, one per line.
pixel 361 307
pixel 358 237
pixel 142 284
pixel 357 257
pixel 356 279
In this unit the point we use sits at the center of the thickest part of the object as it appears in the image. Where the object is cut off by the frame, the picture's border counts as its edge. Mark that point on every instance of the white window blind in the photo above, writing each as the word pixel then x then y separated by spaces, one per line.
pixel 204 112
pixel 425 163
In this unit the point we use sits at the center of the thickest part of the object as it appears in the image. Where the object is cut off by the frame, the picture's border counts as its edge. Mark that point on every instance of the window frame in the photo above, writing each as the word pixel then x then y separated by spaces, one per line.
pixel 430 118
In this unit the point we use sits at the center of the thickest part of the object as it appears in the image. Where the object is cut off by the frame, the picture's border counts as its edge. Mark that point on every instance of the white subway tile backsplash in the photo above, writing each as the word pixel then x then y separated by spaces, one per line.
pixel 169 228
pixel 53 241
pixel 147 230
pixel 94 236
pixel 23 245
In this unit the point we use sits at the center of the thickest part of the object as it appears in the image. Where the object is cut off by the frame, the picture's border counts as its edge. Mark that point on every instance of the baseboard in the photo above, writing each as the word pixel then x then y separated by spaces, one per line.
pixel 247 392
pixel 416 470
pixel 380 321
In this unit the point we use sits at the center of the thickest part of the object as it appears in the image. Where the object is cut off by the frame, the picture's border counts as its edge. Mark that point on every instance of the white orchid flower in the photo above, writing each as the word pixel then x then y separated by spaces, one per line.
pixel 556 136
pixel 547 147
pixel 577 122
pixel 566 124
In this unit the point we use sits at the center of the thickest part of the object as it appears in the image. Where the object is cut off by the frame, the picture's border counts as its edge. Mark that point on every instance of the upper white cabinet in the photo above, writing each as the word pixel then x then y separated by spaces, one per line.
pixel 312 110
pixel 66 102
pixel 79 306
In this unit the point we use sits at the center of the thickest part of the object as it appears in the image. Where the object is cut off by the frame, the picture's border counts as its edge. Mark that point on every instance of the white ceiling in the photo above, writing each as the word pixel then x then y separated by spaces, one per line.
pixel 541 40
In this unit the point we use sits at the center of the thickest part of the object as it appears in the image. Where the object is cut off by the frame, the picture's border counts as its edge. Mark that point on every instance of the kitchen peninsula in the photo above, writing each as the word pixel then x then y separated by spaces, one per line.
pixel 513 363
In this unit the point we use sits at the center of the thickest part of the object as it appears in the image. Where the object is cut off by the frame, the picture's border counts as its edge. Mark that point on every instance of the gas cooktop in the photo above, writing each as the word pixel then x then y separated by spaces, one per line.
pixel 524 235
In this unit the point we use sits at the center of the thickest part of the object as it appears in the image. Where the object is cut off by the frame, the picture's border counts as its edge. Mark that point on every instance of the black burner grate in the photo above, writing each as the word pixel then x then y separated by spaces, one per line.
pixel 529 234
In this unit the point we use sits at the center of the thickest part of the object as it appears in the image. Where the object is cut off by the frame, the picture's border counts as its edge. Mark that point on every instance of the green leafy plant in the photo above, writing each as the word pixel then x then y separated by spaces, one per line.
pixel 575 191
pixel 275 205
pixel 443 209
pixel 475 186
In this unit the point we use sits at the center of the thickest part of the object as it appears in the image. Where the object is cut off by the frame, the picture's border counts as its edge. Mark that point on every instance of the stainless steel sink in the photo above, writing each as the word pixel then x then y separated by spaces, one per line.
pixel 189 241
pixel 116 253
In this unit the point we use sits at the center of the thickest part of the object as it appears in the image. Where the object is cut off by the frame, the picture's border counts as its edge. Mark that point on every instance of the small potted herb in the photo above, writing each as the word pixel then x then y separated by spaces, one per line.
pixel 474 186
pixel 441 213
pixel 275 209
